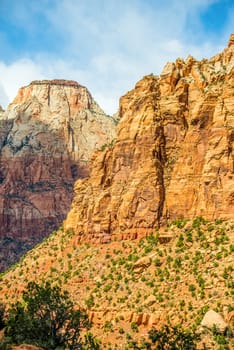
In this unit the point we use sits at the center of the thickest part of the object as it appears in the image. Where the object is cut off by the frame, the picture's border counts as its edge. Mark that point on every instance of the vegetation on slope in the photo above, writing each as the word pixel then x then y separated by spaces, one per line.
pixel 128 287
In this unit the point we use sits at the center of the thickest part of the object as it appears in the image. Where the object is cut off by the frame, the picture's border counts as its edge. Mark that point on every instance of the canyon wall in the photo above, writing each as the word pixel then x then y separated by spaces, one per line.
pixel 47 136
pixel 173 156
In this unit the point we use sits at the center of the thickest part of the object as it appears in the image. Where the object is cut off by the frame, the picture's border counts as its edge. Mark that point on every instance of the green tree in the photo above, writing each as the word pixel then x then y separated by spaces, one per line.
pixel 173 338
pixel 167 338
pixel 46 317
pixel 2 316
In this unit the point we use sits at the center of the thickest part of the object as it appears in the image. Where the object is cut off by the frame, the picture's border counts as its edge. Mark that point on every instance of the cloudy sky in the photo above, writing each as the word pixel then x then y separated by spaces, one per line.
pixel 106 45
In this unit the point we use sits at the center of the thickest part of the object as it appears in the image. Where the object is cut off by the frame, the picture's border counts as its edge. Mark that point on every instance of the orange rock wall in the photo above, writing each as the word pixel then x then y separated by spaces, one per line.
pixel 173 156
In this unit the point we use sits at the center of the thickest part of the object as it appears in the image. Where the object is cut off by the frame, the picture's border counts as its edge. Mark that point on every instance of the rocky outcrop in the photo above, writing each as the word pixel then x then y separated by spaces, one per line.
pixel 173 155
pixel 47 136
pixel 213 320
pixel 147 320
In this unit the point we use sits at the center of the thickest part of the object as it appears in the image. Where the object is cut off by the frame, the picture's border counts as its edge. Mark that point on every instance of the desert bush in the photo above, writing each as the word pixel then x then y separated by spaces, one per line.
pixel 175 338
pixel 168 338
pixel 2 316
pixel 46 317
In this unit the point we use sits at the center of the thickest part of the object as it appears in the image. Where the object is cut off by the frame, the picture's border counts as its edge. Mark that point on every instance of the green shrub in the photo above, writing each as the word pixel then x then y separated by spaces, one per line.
pixel 174 338
pixel 46 317
pixel 197 222
pixel 180 242
pixel 134 327
pixel 90 302
pixel 153 240
pixel 121 330
pixel 222 339
pixel 2 316
pixel 189 236
pixel 167 338
pixel 108 326
pixel 180 223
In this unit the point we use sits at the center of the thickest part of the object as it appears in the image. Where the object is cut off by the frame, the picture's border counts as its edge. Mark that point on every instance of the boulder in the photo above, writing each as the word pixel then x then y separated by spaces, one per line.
pixel 213 319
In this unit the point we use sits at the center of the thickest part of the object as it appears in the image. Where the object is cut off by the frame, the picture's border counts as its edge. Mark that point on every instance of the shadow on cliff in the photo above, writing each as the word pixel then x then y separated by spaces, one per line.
pixel 37 175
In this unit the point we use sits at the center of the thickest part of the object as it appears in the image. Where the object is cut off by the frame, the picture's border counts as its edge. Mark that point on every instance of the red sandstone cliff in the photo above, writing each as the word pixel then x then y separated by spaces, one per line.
pixel 173 155
pixel 47 136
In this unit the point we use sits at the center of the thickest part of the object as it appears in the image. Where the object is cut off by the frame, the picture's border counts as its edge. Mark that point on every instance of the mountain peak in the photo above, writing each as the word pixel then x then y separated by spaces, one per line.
pixel 51 130
pixel 62 82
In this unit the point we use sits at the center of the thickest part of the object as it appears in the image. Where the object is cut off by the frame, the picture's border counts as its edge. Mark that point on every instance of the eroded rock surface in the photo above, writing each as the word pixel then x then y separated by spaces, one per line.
pixel 47 136
pixel 173 156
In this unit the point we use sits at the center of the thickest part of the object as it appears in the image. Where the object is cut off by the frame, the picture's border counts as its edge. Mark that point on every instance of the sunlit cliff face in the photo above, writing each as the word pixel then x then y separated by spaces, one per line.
pixel 173 155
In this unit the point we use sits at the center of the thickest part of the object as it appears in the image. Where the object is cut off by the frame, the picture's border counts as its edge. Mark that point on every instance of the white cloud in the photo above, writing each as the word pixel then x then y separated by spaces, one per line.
pixel 17 74
pixel 3 97
pixel 108 45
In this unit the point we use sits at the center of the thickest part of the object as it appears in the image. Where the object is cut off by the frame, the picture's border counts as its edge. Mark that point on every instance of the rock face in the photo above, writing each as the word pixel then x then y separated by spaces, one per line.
pixel 47 136
pixel 173 155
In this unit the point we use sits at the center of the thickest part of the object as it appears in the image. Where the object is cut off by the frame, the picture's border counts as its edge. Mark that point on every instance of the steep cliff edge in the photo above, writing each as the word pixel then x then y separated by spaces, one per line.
pixel 173 155
pixel 47 136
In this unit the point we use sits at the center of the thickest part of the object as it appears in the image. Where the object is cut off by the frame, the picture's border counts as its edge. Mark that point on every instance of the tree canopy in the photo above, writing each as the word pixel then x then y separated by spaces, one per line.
pixel 46 317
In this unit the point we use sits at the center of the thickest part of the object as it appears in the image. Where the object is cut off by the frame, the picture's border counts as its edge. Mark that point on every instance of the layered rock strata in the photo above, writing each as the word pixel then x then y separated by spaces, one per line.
pixel 173 156
pixel 47 136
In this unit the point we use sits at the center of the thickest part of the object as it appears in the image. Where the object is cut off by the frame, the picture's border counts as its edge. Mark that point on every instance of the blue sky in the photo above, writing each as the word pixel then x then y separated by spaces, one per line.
pixel 106 45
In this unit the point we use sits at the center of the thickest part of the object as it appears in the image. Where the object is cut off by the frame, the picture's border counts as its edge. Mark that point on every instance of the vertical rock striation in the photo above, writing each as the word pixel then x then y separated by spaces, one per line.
pixel 201 177
pixel 173 155
pixel 47 136
pixel 125 192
